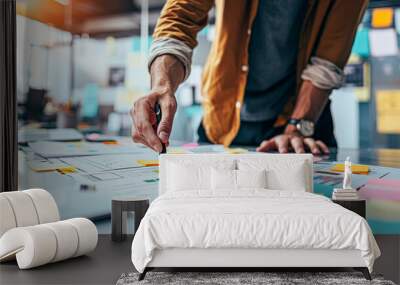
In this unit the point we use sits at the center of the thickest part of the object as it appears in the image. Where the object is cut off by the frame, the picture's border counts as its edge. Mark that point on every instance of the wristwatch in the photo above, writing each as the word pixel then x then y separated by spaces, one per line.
pixel 305 127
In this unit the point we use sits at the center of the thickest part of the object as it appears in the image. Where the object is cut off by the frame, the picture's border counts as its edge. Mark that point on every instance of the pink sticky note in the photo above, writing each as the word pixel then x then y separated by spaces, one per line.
pixel 381 193
pixel 395 183
pixel 190 145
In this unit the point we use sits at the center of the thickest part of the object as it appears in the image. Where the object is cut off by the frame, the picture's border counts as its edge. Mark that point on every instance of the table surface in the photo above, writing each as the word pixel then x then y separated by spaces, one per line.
pixel 73 202
pixel 102 266
pixel 110 260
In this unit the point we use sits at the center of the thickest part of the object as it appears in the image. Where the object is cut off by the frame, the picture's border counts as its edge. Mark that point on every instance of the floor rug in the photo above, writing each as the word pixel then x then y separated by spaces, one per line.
pixel 243 278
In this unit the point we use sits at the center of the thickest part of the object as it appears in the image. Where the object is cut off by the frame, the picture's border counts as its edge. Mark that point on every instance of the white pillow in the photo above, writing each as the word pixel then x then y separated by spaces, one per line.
pixel 282 174
pixel 227 179
pixel 183 177
pixel 251 178
pixel 191 176
pixel 223 179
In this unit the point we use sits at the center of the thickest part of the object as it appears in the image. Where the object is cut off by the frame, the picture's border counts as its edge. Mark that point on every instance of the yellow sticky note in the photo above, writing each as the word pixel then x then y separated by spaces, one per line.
pixel 236 150
pixel 355 168
pixel 176 150
pixel 382 17
pixel 66 170
pixel 148 162
pixel 388 111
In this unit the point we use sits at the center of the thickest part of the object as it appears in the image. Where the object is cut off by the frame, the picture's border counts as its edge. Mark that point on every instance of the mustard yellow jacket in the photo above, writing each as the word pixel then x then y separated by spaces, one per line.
pixel 327 32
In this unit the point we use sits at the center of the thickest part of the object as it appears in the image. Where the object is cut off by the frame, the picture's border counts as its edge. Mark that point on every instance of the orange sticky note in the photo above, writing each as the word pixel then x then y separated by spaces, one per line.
pixel 355 168
pixel 382 17
pixel 110 142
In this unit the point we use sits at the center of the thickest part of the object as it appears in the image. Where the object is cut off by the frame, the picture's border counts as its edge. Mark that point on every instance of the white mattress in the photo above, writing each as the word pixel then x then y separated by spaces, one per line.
pixel 253 219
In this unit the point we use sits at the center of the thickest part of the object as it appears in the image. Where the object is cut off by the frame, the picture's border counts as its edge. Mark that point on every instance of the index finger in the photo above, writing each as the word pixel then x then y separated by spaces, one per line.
pixel 168 108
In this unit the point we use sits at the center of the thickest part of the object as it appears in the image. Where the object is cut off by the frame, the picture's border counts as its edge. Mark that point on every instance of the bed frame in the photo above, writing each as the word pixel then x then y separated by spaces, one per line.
pixel 242 259
pixel 260 259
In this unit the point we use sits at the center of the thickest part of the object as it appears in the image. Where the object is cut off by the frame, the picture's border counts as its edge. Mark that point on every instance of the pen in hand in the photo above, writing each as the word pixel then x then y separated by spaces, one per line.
pixel 157 110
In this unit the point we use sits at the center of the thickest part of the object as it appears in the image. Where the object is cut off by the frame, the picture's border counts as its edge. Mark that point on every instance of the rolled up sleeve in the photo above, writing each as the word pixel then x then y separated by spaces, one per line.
pixel 323 74
pixel 177 48
pixel 177 28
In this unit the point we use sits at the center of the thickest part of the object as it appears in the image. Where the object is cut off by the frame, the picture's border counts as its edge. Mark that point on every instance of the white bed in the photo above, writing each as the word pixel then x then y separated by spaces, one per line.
pixel 248 227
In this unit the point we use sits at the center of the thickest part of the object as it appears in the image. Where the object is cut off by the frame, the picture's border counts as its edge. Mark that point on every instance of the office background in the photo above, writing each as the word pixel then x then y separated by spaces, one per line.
pixel 82 64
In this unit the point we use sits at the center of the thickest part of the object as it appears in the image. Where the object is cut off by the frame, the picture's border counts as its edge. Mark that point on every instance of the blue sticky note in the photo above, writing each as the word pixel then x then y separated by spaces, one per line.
pixel 361 43
pixel 90 101
pixel 397 20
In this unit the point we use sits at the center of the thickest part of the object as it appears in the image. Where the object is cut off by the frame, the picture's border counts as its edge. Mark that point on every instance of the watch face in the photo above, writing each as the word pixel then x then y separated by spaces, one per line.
pixel 306 128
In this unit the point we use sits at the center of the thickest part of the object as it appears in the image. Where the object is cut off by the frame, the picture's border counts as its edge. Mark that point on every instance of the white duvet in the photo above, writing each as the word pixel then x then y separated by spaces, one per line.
pixel 250 219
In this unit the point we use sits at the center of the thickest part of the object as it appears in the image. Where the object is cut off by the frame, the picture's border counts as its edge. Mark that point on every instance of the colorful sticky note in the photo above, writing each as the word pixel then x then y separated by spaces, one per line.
pixel 66 170
pixel 361 43
pixel 388 111
pixel 383 42
pixel 382 17
pixel 397 20
pixel 374 192
pixel 236 150
pixel 147 162
pixel 190 145
pixel 176 150
pixel 355 168
pixel 110 142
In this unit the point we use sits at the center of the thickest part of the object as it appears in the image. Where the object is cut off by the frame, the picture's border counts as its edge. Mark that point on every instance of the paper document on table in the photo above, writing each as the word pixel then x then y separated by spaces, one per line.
pixel 97 163
pixel 383 42
pixel 62 149
pixel 42 165
pixel 120 179
pixel 30 135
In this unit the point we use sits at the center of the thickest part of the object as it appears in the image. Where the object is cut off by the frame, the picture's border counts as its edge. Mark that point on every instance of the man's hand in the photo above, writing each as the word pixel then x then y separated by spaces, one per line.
pixel 144 128
pixel 167 72
pixel 285 143
pixel 310 103
pixel 291 140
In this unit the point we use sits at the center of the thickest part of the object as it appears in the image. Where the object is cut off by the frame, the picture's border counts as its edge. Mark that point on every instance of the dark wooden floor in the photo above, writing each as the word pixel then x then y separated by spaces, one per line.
pixel 110 260
pixel 103 266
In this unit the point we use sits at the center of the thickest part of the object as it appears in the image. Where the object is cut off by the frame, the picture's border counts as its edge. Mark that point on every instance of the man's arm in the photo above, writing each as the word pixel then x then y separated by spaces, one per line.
pixel 323 74
pixel 167 72
pixel 169 65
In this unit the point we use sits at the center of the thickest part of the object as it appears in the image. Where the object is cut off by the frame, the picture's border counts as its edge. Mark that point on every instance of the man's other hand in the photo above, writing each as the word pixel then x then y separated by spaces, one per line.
pixel 144 127
pixel 293 142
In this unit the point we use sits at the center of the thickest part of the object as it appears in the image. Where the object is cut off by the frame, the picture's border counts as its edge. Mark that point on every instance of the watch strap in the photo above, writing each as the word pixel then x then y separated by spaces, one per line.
pixel 293 121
